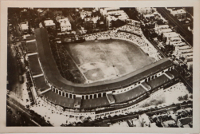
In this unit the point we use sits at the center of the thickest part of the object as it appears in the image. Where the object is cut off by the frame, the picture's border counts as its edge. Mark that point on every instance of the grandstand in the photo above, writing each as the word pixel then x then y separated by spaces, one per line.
pixel 51 86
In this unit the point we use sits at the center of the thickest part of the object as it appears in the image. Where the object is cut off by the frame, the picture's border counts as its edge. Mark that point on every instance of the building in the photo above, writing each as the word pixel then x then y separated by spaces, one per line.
pixel 174 39
pixel 145 10
pixel 114 16
pixel 180 14
pixel 183 51
pixel 47 24
pixel 190 65
pixel 109 20
pixel 62 92
pixel 180 43
pixel 144 119
pixel 168 123
pixel 24 27
pixel 92 19
pixel 160 29
pixel 104 11
pixel 57 13
pixel 84 14
pixel 167 37
pixel 65 25
pixel 133 22
pixel 119 13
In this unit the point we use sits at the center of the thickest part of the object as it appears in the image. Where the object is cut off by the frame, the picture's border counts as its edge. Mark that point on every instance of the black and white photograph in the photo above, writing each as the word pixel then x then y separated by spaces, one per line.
pixel 100 66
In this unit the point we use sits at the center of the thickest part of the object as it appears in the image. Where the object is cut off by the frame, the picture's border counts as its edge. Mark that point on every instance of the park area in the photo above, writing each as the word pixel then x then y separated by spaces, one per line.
pixel 102 60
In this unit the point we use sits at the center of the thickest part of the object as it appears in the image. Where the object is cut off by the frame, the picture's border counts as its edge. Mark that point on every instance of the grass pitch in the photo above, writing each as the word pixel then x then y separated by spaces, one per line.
pixel 107 59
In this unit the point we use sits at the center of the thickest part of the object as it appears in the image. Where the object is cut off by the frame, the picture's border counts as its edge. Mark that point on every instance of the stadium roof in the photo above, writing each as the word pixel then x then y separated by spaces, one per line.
pixel 34 65
pixel 158 81
pixel 97 102
pixel 58 99
pixel 54 77
pixel 129 95
pixel 31 47
pixel 40 83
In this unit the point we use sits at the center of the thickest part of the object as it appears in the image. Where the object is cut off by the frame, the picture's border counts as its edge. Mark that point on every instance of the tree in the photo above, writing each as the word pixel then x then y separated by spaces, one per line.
pixel 117 23
pixel 185 97
pixel 180 98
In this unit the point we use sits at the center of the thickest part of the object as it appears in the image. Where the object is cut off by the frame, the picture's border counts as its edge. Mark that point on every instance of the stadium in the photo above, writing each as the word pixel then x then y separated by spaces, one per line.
pixel 110 71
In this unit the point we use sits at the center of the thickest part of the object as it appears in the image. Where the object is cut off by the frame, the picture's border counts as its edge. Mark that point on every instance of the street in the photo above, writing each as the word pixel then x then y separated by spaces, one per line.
pixel 26 113
pixel 186 34
pixel 102 122
pixel 182 78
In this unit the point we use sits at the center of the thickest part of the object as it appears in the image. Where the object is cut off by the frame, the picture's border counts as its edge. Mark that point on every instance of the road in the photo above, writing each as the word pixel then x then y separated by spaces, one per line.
pixel 15 105
pixel 156 46
pixel 183 79
pixel 33 117
pixel 103 122
pixel 187 34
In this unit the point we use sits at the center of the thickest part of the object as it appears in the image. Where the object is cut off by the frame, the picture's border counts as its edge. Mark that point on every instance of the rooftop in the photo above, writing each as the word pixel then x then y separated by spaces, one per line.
pixel 171 34
pixel 34 64
pixel 24 26
pixel 64 21
pixel 62 101
pixel 97 102
pixel 31 47
pixel 49 23
pixel 131 94
pixel 158 81
pixel 40 83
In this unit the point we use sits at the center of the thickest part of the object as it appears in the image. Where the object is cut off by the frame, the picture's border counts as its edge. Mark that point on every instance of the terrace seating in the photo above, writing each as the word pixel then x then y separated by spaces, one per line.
pixel 40 84
pixel 92 103
pixel 158 81
pixel 31 47
pixel 34 65
pixel 131 94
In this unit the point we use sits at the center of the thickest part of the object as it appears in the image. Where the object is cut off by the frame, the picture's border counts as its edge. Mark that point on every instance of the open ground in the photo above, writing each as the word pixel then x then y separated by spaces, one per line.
pixel 107 59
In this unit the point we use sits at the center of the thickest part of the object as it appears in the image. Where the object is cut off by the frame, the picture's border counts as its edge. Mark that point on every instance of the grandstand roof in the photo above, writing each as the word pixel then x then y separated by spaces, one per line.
pixel 40 83
pixel 97 102
pixel 31 47
pixel 158 81
pixel 34 64
pixel 62 101
pixel 131 94
pixel 54 77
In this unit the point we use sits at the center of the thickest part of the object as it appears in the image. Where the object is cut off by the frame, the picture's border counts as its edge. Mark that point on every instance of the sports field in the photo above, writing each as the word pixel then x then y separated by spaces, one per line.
pixel 107 59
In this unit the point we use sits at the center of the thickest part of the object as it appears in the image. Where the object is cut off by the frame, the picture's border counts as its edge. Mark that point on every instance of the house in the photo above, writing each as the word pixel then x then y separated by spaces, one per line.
pixel 168 36
pixel 144 119
pixel 160 29
pixel 104 11
pixel 180 14
pixel 65 25
pixel 114 16
pixel 184 121
pixel 145 10
pixel 23 27
pixel 47 24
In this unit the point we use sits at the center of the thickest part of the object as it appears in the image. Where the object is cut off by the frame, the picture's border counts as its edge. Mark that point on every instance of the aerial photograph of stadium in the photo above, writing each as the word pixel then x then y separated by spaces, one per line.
pixel 100 67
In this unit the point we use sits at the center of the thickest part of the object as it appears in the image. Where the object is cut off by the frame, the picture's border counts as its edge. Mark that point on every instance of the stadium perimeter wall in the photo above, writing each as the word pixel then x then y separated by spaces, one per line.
pixel 55 79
